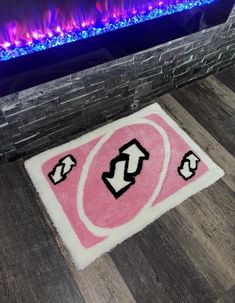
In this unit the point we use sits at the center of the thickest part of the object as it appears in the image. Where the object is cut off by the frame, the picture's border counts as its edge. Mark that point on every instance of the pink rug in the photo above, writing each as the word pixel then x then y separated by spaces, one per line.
pixel 109 184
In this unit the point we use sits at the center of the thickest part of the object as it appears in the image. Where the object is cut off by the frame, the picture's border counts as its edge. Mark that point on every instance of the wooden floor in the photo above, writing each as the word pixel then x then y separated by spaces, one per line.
pixel 188 255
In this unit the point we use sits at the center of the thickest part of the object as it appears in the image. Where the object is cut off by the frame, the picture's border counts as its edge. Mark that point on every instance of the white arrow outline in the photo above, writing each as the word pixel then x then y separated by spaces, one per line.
pixel 135 156
pixel 117 181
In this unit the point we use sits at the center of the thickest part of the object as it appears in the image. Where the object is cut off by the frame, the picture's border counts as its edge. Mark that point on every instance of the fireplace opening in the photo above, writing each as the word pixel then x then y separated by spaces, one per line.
pixel 43 40
pixel 37 26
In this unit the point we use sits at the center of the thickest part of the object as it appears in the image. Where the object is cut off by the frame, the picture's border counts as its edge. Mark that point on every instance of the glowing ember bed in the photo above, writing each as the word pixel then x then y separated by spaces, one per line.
pixel 72 35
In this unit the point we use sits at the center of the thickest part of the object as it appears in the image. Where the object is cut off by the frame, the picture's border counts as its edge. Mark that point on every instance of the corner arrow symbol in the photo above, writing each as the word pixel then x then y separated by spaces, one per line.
pixel 185 170
pixel 68 162
pixel 193 160
pixel 61 169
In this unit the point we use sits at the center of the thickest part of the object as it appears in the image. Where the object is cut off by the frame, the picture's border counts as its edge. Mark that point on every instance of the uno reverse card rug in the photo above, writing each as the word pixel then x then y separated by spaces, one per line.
pixel 109 184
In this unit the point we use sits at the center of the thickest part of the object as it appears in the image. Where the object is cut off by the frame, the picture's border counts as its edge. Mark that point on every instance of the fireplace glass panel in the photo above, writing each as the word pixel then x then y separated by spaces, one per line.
pixel 31 26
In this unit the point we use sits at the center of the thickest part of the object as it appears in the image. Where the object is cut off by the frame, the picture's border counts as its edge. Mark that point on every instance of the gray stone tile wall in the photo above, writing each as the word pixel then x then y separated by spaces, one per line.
pixel 55 112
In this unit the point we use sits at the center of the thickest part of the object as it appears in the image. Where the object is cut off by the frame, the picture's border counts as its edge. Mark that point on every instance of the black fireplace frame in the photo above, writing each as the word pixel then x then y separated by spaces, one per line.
pixel 30 70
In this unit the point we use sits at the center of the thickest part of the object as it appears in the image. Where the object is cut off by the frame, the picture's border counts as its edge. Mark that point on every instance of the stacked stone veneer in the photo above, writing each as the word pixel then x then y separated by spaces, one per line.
pixel 53 113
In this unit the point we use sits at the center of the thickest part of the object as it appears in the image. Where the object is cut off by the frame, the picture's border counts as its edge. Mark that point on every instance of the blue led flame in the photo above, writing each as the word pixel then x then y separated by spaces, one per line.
pixel 9 51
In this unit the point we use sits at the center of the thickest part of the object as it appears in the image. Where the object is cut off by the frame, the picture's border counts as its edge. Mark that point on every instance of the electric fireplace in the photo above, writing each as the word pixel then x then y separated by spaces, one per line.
pixel 44 40
pixel 55 24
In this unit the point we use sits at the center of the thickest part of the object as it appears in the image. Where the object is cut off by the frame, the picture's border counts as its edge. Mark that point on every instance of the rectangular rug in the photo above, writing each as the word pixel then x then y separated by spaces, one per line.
pixel 109 184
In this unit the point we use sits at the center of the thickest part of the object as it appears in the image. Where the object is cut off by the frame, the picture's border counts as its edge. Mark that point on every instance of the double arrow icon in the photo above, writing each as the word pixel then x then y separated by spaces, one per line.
pixel 125 167
pixel 188 165
pixel 62 168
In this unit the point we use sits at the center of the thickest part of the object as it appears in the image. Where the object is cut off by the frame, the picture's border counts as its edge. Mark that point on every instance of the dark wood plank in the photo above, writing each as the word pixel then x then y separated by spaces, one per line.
pixel 227 76
pixel 195 249
pixel 228 296
pixel 222 96
pixel 213 232
pixel 175 276
pixel 101 282
pixel 143 281
pixel 223 198
pixel 32 268
pixel 207 106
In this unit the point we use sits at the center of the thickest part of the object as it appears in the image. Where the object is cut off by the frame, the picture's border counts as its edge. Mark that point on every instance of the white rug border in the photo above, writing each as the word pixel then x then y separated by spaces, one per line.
pixel 81 256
